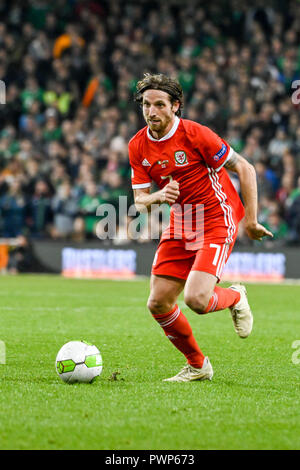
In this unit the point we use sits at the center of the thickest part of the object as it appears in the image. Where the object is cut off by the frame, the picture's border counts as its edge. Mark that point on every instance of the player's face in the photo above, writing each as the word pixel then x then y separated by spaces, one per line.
pixel 159 112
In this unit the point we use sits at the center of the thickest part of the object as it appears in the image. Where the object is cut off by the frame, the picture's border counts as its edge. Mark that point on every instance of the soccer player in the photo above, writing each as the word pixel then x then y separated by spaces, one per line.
pixel 189 164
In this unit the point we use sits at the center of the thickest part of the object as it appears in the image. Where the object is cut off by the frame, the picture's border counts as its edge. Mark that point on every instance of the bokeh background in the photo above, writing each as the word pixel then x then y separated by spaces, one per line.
pixel 70 68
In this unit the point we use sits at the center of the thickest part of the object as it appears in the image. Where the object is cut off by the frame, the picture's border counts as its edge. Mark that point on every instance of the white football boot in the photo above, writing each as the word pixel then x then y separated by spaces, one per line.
pixel 190 373
pixel 241 313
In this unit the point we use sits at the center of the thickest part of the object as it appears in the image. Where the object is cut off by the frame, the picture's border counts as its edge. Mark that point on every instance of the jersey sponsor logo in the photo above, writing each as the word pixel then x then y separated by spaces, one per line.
pixel 145 162
pixel 180 158
pixel 220 154
pixel 163 163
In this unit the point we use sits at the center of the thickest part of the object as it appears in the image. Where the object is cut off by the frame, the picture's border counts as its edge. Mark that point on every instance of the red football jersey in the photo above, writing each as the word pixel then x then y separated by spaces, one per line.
pixel 194 156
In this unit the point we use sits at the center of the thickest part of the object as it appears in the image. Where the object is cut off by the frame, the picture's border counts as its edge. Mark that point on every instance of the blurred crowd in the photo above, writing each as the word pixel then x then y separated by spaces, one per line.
pixel 70 70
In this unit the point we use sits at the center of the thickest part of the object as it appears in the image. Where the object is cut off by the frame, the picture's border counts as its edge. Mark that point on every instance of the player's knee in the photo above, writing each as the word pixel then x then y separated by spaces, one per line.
pixel 157 305
pixel 197 302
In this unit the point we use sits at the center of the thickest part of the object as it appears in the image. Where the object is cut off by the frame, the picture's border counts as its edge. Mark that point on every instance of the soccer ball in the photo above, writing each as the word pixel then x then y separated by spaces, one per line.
pixel 78 361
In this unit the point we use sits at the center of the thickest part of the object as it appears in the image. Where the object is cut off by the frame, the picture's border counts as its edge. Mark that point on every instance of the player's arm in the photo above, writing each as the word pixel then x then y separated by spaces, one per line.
pixel 143 199
pixel 247 177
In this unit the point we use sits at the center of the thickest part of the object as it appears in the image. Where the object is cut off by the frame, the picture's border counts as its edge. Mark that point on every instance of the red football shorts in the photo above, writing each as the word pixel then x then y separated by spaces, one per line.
pixel 173 259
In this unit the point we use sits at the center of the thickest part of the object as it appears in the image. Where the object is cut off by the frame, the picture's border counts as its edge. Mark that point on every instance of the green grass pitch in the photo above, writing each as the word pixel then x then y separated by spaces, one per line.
pixel 251 403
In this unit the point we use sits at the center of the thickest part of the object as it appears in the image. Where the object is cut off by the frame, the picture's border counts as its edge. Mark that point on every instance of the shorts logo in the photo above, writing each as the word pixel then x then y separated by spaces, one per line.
pixel 220 154
pixel 180 158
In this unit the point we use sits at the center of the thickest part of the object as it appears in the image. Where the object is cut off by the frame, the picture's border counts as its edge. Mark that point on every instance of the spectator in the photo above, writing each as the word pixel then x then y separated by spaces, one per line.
pixel 65 207
pixel 66 40
pixel 278 227
pixel 88 205
pixel 264 183
pixel 40 210
pixel 69 111
pixel 13 210
pixel 278 146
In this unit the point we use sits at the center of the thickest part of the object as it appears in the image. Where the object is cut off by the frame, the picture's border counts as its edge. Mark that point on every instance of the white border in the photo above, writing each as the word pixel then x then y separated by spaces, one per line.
pixel 226 160
pixel 141 186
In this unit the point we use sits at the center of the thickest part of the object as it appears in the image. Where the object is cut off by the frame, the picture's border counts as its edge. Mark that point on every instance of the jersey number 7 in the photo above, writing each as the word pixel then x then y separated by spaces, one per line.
pixel 217 254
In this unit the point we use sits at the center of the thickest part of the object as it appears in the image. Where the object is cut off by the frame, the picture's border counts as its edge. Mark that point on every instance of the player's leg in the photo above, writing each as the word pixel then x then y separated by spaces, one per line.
pixel 171 266
pixel 164 309
pixel 164 291
pixel 203 295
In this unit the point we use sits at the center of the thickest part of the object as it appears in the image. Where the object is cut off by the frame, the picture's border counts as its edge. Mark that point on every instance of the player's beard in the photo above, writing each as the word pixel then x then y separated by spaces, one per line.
pixel 160 126
pixel 156 125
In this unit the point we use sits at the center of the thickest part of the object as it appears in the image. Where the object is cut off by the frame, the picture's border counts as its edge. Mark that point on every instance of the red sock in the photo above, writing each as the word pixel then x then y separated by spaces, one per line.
pixel 222 298
pixel 179 332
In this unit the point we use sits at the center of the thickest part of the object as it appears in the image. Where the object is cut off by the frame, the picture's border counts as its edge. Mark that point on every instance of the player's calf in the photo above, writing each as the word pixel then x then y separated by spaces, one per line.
pixel 178 330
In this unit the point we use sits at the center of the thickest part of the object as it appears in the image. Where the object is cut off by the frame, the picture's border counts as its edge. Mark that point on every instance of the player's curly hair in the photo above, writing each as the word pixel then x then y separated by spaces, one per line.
pixel 163 83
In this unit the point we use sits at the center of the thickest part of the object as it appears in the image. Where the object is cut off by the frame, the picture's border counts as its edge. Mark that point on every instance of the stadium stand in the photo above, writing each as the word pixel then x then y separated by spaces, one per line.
pixel 70 70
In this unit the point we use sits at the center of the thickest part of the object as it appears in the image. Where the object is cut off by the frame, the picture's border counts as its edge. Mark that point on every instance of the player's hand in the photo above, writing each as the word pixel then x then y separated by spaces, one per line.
pixel 256 231
pixel 170 192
